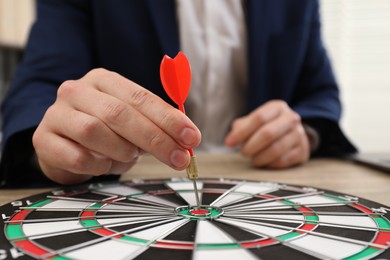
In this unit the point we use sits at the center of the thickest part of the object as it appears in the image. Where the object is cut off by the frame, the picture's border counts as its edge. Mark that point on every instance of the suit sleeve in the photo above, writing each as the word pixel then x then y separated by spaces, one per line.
pixel 317 97
pixel 59 48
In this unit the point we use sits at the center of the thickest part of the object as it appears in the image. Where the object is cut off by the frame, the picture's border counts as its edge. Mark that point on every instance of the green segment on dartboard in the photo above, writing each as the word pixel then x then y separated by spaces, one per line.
pixel 289 236
pixel 383 223
pixel 14 231
pixel 214 212
pixel 40 203
pixel 363 254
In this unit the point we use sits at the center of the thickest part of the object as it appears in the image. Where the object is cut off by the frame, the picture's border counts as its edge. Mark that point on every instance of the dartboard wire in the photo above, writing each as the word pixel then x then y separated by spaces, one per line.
pixel 177 192
pixel 125 232
pixel 85 228
pixel 140 208
pixel 267 200
pixel 294 205
pixel 107 201
pixel 247 196
pixel 28 221
pixel 53 253
pixel 277 240
pixel 269 212
pixel 227 192
pixel 304 231
pixel 135 197
pixel 330 224
pixel 197 246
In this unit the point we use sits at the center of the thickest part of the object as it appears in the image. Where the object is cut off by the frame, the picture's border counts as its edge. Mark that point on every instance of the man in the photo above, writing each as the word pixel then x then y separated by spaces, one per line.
pixel 97 121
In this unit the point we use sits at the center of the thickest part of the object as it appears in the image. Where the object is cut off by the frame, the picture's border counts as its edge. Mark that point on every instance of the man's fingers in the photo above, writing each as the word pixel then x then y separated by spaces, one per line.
pixel 291 149
pixel 91 133
pixel 171 120
pixel 62 153
pixel 243 128
pixel 270 133
pixel 129 123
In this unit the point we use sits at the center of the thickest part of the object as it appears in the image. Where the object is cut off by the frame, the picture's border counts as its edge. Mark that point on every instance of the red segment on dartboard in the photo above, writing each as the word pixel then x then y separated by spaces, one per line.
pixel 199 212
pixel 383 238
pixel 20 215
pixel 30 247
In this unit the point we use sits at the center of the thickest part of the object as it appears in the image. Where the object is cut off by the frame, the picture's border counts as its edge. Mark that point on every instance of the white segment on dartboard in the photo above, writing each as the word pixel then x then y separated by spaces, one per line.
pixel 242 191
pixel 48 229
pixel 118 201
pixel 160 231
pixel 110 249
pixel 354 222
pixel 40 230
pixel 263 206
pixel 257 228
pixel 279 217
pixel 328 248
pixel 68 205
pixel 225 254
pixel 185 190
pixel 124 190
pixel 114 222
pixel 254 204
pixel 139 208
pixel 207 233
pixel 316 200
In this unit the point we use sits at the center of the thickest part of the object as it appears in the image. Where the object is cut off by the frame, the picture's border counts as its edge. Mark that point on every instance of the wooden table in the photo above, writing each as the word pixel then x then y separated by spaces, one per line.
pixel 340 176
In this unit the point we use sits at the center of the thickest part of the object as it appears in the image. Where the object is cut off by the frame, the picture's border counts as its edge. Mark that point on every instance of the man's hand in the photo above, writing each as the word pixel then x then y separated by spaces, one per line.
pixel 272 136
pixel 101 124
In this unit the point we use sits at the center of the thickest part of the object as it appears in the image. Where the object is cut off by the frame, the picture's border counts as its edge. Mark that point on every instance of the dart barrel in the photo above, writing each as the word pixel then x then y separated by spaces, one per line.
pixel 192 169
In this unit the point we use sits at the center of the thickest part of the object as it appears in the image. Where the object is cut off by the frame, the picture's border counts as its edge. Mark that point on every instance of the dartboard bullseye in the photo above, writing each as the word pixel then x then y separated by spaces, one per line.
pixel 150 219
pixel 202 212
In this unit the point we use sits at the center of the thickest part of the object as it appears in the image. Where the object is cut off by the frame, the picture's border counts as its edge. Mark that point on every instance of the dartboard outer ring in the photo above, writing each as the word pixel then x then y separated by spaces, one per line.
pixel 157 219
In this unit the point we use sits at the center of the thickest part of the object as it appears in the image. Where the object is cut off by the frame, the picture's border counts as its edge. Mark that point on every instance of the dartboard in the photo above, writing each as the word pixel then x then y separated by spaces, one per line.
pixel 159 219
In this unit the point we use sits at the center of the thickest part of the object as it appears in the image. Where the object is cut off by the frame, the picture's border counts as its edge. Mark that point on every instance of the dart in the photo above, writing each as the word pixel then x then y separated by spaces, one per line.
pixel 175 77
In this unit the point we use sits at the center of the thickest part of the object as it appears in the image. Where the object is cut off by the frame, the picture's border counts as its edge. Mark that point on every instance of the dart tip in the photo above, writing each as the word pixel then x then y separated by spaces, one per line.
pixel 196 194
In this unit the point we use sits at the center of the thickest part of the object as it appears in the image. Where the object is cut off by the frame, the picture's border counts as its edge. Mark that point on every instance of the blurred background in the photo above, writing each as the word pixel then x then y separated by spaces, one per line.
pixel 355 32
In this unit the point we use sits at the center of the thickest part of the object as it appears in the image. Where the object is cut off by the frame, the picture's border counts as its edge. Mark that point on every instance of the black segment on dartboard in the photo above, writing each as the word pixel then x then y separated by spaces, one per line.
pixel 150 187
pixel 48 214
pixel 384 256
pixel 241 202
pixel 92 196
pixel 131 201
pixel 236 232
pixel 284 193
pixel 141 226
pixel 280 251
pixel 164 253
pixel 352 233
pixel 336 209
pixel 66 240
pixel 174 198
pixel 277 222
pixel 184 233
pixel 208 198
pixel 223 186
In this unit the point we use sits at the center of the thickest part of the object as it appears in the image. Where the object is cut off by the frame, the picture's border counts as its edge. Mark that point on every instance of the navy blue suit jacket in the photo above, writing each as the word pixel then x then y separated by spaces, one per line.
pixel 286 59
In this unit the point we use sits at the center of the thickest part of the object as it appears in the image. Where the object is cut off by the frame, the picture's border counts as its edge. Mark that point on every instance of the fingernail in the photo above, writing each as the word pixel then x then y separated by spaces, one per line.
pixel 188 136
pixel 179 158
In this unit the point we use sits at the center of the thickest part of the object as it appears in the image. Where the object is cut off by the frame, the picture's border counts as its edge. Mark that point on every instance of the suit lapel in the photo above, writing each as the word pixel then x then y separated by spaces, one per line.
pixel 163 13
pixel 258 19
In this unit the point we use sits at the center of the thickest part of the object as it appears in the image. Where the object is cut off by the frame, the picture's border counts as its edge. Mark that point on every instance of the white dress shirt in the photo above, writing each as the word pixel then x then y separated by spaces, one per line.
pixel 213 37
